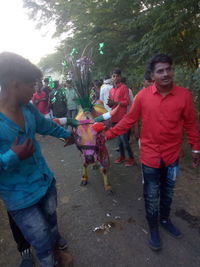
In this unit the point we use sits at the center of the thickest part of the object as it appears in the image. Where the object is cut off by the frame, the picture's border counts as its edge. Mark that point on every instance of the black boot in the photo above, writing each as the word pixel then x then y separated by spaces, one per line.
pixel 154 242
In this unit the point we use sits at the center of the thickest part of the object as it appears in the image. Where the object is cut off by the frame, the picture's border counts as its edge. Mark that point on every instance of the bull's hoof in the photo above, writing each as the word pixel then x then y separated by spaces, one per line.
pixel 109 192
pixel 84 183
pixel 108 189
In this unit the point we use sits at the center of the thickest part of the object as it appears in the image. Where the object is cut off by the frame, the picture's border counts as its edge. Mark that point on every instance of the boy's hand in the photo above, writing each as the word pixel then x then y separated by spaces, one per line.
pixel 24 150
pixel 111 103
pixel 70 140
pixel 195 159
pixel 72 122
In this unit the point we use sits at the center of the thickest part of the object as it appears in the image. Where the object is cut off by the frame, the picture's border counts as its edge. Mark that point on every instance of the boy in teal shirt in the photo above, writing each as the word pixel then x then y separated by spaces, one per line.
pixel 27 185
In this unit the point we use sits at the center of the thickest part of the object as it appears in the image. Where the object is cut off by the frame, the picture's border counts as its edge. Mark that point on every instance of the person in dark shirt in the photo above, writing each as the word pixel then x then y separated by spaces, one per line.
pixel 46 87
pixel 58 101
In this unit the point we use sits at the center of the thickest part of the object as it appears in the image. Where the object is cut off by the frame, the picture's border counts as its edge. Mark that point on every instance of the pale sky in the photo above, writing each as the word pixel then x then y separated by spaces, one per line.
pixel 18 33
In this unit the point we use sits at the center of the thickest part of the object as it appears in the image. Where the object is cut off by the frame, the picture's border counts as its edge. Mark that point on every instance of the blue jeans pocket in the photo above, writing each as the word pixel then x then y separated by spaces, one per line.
pixel 172 172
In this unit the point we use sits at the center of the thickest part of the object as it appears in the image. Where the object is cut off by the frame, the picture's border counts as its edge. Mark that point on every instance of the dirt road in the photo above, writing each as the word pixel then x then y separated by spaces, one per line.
pixel 82 209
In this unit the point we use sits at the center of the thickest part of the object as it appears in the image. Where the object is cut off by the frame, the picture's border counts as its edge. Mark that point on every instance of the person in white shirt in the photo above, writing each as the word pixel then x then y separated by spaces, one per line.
pixel 71 96
pixel 104 92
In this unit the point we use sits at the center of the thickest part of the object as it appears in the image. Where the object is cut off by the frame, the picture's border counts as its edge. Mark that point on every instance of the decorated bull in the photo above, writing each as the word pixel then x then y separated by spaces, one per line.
pixel 88 132
pixel 90 141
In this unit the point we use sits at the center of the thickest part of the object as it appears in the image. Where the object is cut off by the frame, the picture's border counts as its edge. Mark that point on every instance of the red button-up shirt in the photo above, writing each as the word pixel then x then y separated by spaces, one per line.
pixel 120 94
pixel 163 119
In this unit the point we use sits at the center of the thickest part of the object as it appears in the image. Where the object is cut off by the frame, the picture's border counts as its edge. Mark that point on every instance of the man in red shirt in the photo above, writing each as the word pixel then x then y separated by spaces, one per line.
pixel 165 110
pixel 40 99
pixel 119 95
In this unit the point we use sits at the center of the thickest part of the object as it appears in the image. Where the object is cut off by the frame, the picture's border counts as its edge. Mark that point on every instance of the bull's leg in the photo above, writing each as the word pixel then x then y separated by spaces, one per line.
pixel 107 185
pixel 84 179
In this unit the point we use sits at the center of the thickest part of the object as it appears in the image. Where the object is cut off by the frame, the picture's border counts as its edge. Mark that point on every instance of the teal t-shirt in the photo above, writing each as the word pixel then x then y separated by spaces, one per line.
pixel 24 182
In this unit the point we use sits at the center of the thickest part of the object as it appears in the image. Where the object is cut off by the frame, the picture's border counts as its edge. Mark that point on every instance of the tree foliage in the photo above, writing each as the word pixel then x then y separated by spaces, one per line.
pixel 132 30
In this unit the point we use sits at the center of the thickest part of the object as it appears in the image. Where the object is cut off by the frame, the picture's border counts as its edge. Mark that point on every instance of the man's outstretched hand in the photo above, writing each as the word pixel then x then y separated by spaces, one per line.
pixel 24 150
pixel 108 134
pixel 195 159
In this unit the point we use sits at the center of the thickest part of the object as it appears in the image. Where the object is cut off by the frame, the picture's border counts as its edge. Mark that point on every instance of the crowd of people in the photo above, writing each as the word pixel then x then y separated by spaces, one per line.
pixel 27 185
pixel 61 101
pixel 57 102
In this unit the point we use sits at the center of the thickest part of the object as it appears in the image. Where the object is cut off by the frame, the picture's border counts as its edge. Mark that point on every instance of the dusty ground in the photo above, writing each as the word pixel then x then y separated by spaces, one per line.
pixel 80 210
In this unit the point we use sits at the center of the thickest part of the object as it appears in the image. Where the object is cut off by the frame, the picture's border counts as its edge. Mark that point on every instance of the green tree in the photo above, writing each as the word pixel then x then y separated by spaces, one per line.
pixel 131 30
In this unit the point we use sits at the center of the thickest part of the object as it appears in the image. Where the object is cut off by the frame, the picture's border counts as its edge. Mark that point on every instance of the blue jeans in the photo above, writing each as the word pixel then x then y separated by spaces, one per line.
pixel 159 186
pixel 123 141
pixel 38 224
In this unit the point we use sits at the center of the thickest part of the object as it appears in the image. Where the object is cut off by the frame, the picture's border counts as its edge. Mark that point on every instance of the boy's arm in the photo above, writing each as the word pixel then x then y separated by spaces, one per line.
pixel 125 99
pixel 46 126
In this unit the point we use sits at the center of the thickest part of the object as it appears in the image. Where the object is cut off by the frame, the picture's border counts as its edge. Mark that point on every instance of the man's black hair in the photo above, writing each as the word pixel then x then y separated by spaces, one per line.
pixel 117 71
pixel 147 76
pixel 159 58
pixel 14 67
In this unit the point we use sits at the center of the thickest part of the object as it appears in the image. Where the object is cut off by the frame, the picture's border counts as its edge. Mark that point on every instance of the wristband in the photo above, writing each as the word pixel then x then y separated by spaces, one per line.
pixel 196 151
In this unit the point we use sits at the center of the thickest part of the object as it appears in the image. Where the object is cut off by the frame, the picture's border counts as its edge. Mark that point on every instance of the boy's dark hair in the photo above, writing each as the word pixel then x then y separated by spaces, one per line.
pixel 117 71
pixel 15 67
pixel 98 83
pixel 147 76
pixel 159 58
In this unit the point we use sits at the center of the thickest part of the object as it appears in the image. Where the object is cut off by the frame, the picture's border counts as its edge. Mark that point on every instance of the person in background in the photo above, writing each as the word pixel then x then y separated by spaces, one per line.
pixel 104 91
pixel 46 87
pixel 95 94
pixel 40 99
pixel 146 82
pixel 23 245
pixel 71 97
pixel 119 95
pixel 27 185
pixel 58 101
pixel 165 109
pixel 123 80
pixel 147 79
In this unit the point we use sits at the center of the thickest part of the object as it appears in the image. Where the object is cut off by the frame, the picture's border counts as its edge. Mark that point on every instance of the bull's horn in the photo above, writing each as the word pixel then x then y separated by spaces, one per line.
pixel 107 115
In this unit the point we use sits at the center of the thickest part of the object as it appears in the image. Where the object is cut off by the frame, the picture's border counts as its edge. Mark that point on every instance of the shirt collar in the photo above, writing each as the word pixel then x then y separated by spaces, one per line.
pixel 118 85
pixel 155 90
